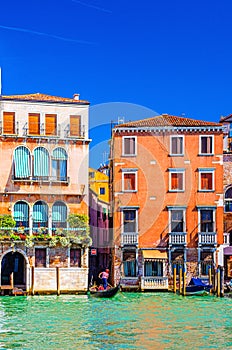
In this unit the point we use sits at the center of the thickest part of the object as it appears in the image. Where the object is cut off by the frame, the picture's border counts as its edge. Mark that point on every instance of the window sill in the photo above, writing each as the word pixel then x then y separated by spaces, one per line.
pixel 176 155
pixel 129 191
pixel 129 155
pixel 206 190
pixel 171 191
pixel 205 154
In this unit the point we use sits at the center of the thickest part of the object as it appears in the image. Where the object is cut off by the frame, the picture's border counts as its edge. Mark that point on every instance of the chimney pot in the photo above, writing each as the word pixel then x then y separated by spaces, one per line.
pixel 76 97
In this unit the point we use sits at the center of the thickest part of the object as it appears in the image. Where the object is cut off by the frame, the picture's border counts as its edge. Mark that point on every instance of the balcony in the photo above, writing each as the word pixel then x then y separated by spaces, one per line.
pixel 43 179
pixel 74 134
pixel 177 238
pixel 130 238
pixel 207 239
pixel 40 131
pixel 155 283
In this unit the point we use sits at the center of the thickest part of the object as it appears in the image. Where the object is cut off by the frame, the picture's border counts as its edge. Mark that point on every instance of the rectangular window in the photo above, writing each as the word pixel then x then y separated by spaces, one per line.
pixel 206 145
pixel 34 124
pixel 206 180
pixel 177 221
pixel 75 125
pixel 50 124
pixel 129 221
pixel 40 257
pixel 176 179
pixel 75 257
pixel 102 190
pixel 129 146
pixel 206 221
pixel 129 182
pixel 177 145
pixel 153 268
pixel 129 263
pixel 8 123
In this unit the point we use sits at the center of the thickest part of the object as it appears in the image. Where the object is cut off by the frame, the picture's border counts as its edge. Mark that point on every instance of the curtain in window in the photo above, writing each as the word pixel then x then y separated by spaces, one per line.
pixel 21 213
pixel 59 212
pixel 59 164
pixel 22 162
pixel 40 212
pixel 59 153
pixel 206 181
pixel 148 268
pixel 41 162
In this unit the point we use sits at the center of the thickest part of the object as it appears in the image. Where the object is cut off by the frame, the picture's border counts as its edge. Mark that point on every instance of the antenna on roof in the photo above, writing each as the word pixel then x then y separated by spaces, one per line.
pixel 120 120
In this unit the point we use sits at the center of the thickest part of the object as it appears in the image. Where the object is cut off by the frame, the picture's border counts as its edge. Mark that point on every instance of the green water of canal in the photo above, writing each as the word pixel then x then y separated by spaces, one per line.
pixel 128 321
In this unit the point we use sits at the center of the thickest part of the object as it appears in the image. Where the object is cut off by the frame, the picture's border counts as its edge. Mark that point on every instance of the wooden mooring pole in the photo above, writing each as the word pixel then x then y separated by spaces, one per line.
pixel 210 277
pixel 12 280
pixel 32 280
pixel 221 281
pixel 58 280
pixel 174 278
pixel 184 282
pixel 218 282
pixel 180 279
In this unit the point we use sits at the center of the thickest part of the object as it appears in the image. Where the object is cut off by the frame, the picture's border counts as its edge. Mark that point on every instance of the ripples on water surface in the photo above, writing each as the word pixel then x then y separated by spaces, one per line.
pixel 128 321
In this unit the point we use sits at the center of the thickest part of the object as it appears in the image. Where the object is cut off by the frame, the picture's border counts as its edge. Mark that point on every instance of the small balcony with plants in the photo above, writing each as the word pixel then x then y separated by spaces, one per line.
pixel 77 233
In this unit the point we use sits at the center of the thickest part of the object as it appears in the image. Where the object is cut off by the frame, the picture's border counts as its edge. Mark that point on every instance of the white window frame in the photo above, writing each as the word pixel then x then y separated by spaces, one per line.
pixel 200 150
pixel 171 151
pixel 130 171
pixel 173 208
pixel 123 146
pixel 206 171
pixel 136 219
pixel 199 217
pixel 176 171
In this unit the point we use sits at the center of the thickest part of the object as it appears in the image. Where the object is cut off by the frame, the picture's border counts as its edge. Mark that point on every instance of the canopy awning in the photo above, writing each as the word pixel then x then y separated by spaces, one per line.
pixel 154 254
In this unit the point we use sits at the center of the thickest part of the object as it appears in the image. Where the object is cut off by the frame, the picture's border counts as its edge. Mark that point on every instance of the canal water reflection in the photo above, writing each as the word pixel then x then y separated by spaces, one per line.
pixel 128 321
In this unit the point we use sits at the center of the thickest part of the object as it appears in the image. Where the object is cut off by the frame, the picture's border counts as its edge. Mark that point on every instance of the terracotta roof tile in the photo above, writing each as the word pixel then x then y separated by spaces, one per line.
pixel 42 98
pixel 166 120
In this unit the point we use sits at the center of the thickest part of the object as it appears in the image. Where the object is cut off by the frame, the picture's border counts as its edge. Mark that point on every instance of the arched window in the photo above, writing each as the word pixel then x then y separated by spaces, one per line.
pixel 59 164
pixel 228 200
pixel 59 214
pixel 41 163
pixel 22 163
pixel 21 214
pixel 40 214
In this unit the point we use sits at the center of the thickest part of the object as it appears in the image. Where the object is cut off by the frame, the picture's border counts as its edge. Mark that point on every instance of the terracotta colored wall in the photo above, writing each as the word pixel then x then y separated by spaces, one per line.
pixel 153 161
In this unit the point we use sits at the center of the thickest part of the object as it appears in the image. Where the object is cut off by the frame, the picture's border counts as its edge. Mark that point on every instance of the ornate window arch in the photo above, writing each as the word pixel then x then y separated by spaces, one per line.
pixel 40 214
pixel 59 214
pixel 59 164
pixel 41 167
pixel 21 214
pixel 22 162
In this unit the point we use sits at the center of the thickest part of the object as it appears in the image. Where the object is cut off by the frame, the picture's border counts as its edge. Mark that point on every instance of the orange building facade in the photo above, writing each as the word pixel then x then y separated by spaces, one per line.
pixel 167 199
pixel 44 178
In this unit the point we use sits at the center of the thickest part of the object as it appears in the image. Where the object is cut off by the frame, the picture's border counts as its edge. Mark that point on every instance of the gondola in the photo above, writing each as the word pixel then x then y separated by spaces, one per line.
pixel 105 293
pixel 197 287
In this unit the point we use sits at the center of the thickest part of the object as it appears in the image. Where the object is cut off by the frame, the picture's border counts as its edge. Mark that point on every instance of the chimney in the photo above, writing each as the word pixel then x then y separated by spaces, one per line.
pixel 76 97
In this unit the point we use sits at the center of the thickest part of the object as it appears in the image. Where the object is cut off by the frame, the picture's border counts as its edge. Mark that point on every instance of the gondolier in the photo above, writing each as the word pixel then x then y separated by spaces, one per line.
pixel 104 275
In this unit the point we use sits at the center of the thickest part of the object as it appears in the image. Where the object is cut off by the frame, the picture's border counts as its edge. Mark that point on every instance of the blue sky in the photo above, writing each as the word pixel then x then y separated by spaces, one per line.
pixel 143 57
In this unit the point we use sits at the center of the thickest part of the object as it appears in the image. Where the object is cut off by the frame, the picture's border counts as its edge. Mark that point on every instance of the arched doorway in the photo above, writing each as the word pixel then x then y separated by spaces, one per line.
pixel 13 263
